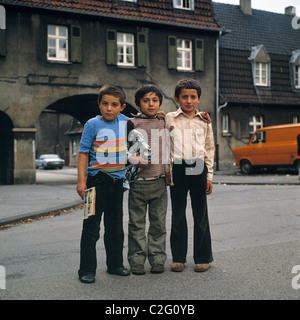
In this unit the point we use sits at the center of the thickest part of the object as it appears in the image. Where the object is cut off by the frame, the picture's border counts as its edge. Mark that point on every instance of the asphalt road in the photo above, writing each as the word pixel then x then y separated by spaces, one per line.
pixel 255 235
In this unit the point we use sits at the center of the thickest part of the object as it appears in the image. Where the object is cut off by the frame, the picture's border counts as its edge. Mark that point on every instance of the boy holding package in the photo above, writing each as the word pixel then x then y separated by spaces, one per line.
pixel 104 141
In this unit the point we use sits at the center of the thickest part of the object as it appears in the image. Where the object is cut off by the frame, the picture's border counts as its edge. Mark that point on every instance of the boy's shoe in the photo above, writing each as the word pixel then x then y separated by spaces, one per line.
pixel 201 267
pixel 177 266
pixel 87 278
pixel 157 268
pixel 119 271
pixel 138 269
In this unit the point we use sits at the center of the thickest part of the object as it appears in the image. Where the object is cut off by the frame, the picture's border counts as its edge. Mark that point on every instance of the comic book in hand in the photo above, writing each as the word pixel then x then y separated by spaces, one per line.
pixel 89 202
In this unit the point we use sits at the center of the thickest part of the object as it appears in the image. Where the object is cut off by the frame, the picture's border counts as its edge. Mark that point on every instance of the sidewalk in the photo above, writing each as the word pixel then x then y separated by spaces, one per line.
pixel 56 190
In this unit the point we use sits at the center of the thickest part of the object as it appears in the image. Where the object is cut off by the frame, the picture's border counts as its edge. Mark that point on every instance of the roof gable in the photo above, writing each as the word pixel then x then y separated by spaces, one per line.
pixel 259 54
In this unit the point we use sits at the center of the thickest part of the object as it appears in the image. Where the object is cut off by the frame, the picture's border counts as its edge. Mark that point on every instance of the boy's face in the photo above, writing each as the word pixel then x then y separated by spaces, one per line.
pixel 149 104
pixel 188 100
pixel 110 107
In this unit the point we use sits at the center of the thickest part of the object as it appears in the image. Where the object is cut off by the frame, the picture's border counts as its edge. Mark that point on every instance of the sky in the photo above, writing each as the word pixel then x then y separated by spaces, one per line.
pixel 269 5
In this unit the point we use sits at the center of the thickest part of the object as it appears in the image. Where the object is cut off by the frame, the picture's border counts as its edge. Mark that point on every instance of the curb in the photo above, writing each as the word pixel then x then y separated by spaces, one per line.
pixel 37 214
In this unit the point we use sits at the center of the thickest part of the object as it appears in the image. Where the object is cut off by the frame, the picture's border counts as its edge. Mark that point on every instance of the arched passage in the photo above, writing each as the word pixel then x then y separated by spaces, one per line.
pixel 6 149
pixel 58 133
pixel 83 107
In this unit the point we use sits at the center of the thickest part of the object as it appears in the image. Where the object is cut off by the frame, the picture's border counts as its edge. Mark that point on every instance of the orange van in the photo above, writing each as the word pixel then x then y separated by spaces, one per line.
pixel 270 147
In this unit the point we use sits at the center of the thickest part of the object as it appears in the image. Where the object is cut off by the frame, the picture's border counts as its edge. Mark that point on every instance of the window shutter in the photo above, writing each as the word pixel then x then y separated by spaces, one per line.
pixel 142 50
pixel 199 55
pixel 111 47
pixel 2 42
pixel 172 52
pixel 76 44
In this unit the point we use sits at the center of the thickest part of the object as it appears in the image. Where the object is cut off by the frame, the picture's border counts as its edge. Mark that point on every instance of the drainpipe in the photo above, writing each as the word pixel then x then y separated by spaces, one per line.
pixel 218 108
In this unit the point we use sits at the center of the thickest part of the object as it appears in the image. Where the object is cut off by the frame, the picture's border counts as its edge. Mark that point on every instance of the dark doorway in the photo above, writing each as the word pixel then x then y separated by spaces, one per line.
pixel 6 149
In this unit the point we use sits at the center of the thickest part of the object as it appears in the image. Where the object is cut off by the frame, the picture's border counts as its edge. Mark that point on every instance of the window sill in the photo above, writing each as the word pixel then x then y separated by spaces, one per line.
pixel 127 67
pixel 59 62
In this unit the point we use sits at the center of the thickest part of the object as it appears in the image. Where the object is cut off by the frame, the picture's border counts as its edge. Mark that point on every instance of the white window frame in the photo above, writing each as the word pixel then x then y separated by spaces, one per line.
pixel 184 4
pixel 262 73
pixel 256 122
pixel 61 54
pixel 184 54
pixel 2 18
pixel 225 123
pixel 122 49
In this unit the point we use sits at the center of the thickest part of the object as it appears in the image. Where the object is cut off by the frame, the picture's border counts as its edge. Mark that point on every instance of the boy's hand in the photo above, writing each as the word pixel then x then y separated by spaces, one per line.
pixel 206 117
pixel 168 178
pixel 138 160
pixel 81 187
pixel 162 114
pixel 209 187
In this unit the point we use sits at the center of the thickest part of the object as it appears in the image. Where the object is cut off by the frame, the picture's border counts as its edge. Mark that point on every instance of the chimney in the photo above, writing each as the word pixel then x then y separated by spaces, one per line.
pixel 290 11
pixel 245 6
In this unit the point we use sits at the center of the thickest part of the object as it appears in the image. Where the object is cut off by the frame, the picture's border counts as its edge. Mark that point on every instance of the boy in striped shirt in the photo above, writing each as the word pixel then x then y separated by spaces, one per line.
pixel 104 141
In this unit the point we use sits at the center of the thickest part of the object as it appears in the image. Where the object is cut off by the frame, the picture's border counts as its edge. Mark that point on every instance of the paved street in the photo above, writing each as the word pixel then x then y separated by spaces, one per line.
pixel 256 239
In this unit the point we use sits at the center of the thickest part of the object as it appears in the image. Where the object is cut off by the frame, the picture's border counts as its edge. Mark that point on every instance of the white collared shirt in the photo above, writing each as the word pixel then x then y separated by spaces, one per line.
pixel 190 138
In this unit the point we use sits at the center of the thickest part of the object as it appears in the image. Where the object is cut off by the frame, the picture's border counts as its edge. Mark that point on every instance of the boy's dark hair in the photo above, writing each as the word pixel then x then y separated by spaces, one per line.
pixel 187 84
pixel 146 88
pixel 112 90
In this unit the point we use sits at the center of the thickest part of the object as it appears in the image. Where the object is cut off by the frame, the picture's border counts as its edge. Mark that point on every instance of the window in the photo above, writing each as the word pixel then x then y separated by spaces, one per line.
pixel 125 49
pixel 260 137
pixel 184 54
pixel 255 122
pixel 295 69
pixel 2 31
pixel 184 4
pixel 225 124
pixel 297 77
pixel 261 66
pixel 57 43
pixel 261 74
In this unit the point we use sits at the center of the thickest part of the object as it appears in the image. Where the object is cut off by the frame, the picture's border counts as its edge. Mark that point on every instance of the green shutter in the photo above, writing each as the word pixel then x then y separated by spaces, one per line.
pixel 76 44
pixel 199 55
pixel 172 52
pixel 2 42
pixel 111 47
pixel 142 49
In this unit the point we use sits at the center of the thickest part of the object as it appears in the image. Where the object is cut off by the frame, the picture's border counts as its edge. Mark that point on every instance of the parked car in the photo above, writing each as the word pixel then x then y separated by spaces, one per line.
pixel 273 147
pixel 49 161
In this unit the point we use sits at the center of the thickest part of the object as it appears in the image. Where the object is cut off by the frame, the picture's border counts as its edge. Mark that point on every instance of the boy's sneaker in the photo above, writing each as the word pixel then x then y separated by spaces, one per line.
pixel 157 268
pixel 201 267
pixel 177 266
pixel 138 269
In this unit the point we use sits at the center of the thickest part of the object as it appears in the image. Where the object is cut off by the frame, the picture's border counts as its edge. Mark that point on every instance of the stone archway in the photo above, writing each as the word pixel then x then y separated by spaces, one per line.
pixel 6 149
pixel 83 107
pixel 55 136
